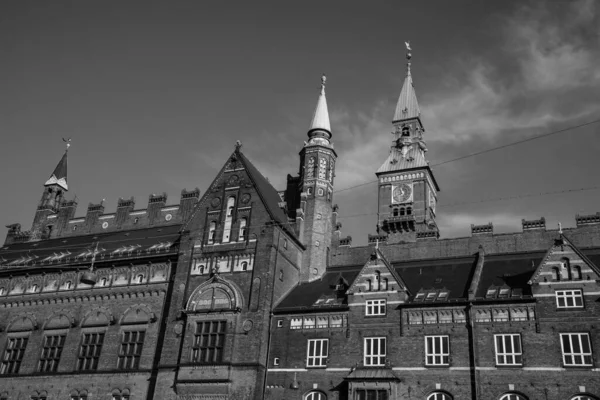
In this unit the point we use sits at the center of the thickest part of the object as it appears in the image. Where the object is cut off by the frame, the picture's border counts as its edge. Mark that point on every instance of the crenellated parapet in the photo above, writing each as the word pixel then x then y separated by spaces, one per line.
pixel 486 229
pixel 534 224
pixel 591 219
pixel 62 222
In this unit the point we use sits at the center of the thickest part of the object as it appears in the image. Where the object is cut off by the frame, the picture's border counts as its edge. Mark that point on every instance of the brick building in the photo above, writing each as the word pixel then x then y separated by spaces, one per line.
pixel 250 293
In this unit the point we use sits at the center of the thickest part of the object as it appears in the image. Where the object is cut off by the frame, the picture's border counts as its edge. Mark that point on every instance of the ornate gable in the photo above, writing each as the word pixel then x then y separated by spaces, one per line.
pixel 377 275
pixel 564 263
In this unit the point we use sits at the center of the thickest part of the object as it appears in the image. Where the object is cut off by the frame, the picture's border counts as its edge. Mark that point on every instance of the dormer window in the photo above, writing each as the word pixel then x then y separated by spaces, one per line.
pixel 442 296
pixel 491 293
pixel 419 297
pixel 504 293
pixel 430 296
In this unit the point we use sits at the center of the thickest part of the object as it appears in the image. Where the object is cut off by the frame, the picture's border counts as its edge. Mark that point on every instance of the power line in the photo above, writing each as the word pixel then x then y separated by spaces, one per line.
pixel 582 189
pixel 487 151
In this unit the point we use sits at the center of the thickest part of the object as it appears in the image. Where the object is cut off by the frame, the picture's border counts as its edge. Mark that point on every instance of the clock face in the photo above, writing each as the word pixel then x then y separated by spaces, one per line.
pixel 402 193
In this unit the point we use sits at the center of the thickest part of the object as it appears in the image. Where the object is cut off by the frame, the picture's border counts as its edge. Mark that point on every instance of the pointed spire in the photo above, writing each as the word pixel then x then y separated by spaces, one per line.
pixel 408 106
pixel 59 176
pixel 320 122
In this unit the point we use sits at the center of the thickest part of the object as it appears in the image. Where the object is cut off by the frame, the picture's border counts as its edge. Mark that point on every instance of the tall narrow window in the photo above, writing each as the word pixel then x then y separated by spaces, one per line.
pixel 317 352
pixel 89 352
pixel 377 280
pixel 228 219
pixel 395 214
pixel 53 345
pixel 555 274
pixel 242 234
pixel 437 350
pixel 131 349
pixel 508 349
pixel 212 231
pixel 209 340
pixel 374 352
pixel 13 355
pixel 576 272
pixel 576 349
pixel 565 269
pixel 244 265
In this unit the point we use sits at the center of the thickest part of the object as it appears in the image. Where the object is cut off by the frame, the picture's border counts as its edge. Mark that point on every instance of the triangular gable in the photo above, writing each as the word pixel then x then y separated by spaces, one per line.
pixel 567 262
pixel 377 275
pixel 266 192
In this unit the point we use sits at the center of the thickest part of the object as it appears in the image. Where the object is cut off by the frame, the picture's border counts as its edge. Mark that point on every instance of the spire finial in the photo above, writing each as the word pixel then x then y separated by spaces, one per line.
pixel 238 145
pixel 68 142
pixel 323 81
pixel 408 57
pixel 560 228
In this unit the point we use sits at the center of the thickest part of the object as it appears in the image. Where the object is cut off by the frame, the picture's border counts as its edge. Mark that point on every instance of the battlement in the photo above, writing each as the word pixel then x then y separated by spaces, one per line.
pixel 533 224
pixel 587 219
pixel 482 229
pixel 61 221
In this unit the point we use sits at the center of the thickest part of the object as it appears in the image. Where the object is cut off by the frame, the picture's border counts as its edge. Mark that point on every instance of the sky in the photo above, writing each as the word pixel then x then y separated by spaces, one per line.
pixel 155 94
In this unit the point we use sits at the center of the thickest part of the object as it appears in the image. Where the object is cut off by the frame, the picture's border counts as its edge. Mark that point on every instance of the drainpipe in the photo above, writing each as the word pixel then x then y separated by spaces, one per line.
pixel 472 352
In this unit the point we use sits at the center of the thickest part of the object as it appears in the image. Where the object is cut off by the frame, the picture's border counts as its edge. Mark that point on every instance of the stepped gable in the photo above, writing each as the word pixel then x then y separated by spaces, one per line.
pixel 452 275
pixel 565 259
pixel 508 271
pixel 305 296
pixel 79 249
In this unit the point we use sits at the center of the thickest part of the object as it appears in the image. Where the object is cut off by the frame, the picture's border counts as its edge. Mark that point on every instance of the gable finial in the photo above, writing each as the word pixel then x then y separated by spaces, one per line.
pixel 68 142
pixel 323 81
pixel 560 229
pixel 238 145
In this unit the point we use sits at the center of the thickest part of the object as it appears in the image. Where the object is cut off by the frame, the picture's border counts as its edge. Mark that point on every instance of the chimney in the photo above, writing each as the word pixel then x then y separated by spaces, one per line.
pixel 188 202
pixel 93 212
pixel 155 203
pixel 124 207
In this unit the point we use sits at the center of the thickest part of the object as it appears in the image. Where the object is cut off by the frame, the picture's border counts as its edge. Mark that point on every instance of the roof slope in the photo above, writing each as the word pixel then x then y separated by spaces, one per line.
pixel 396 161
pixel 59 175
pixel 407 106
pixel 320 118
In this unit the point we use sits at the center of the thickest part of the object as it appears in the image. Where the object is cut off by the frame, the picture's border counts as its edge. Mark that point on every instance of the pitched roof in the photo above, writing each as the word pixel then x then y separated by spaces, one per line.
pixel 79 249
pixel 407 106
pixel 511 271
pixel 396 161
pixel 59 175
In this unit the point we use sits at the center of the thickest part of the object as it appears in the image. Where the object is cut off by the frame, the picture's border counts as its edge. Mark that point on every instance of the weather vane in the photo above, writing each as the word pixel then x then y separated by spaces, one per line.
pixel 68 142
pixel 323 80
pixel 408 55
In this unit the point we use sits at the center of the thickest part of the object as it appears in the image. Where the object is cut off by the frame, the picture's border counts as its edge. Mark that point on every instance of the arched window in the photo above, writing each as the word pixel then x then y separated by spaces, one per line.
pixel 228 219
pixel 377 280
pixel 576 272
pixel 242 234
pixel 565 269
pixel 34 288
pixel 395 212
pixel 402 211
pixel 244 265
pixel 201 269
pixel 103 282
pixel 406 131
pixel 140 278
pixel 408 210
pixel 212 231
pixel 369 285
pixel 315 396
pixel 68 284
pixel 439 396
pixel 555 274
pixel 512 396
pixel 385 284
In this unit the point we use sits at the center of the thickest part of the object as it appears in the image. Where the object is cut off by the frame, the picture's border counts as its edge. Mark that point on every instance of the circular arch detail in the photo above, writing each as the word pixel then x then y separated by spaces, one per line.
pixel 439 395
pixel 56 316
pixel 583 396
pixel 216 293
pixel 315 395
pixel 513 396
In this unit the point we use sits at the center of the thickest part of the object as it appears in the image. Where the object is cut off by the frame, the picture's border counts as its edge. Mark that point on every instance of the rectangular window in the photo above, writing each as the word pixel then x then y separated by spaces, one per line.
pixel 508 349
pixel 209 340
pixel 576 349
pixel 317 352
pixel 131 350
pixel 371 394
pixel 375 351
pixel 437 350
pixel 13 355
pixel 53 345
pixel 375 307
pixel 569 299
pixel 89 352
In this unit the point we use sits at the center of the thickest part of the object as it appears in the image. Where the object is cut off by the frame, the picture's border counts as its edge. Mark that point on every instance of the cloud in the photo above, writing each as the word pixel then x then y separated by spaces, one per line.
pixel 544 75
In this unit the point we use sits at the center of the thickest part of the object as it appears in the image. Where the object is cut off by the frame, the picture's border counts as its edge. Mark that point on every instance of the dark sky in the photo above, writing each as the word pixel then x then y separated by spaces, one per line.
pixel 155 94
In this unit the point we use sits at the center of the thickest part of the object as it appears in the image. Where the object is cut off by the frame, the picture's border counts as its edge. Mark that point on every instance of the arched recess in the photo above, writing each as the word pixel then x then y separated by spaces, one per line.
pixel 513 396
pixel 139 314
pixel 255 300
pixel 315 395
pixel 59 320
pixel 439 396
pixel 215 294
pixel 97 317
pixel 118 394
pixel 22 323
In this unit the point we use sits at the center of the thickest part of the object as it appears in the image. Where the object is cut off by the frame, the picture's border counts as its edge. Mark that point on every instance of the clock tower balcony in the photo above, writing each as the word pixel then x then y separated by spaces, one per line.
pixel 400 223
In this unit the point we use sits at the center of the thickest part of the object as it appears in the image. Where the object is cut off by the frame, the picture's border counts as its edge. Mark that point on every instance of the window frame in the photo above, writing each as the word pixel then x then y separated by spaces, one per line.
pixel 217 350
pixel 375 304
pixel 54 352
pixel 130 352
pixel 11 365
pixel 517 356
pixel 370 358
pixel 433 355
pixel 581 353
pixel 366 390
pixel 82 359
pixel 565 295
pixel 317 360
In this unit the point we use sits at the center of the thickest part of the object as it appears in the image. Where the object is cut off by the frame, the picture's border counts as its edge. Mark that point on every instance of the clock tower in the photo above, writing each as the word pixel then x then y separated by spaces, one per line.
pixel 407 188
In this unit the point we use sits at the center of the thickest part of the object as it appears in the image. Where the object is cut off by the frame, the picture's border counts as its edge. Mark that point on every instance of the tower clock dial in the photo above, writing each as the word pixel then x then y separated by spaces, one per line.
pixel 402 193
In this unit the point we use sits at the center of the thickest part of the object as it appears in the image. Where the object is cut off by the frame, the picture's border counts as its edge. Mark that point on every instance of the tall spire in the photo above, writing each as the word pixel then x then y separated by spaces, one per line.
pixel 59 176
pixel 408 106
pixel 320 126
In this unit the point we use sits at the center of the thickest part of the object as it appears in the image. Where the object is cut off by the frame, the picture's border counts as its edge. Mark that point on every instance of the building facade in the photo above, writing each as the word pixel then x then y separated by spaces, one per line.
pixel 246 292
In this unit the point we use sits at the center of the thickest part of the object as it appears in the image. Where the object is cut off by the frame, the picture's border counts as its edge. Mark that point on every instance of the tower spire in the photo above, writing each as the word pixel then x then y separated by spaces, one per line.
pixel 59 175
pixel 320 126
pixel 407 106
